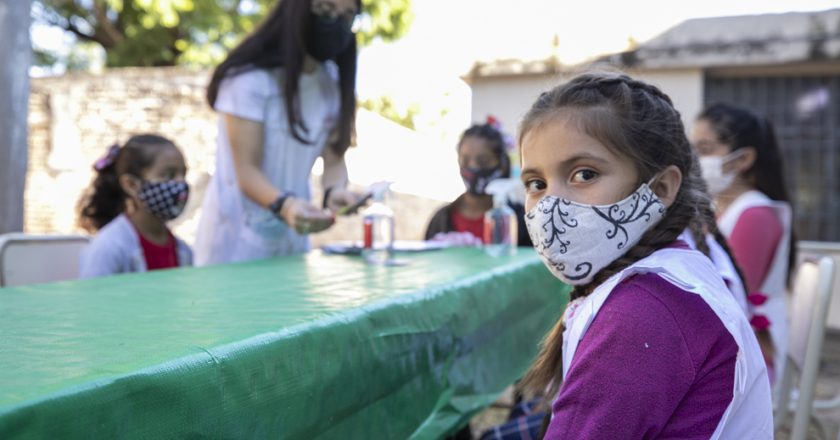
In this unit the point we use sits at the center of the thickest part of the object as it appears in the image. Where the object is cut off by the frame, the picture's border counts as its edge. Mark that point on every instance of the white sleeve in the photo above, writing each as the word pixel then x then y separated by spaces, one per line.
pixel 99 259
pixel 244 95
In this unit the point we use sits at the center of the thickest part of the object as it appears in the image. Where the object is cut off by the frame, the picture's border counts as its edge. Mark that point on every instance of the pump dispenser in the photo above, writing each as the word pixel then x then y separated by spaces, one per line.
pixel 500 224
pixel 378 222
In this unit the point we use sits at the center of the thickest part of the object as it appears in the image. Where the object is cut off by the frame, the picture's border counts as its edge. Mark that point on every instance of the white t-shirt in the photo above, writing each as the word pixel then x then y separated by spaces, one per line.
pixel 232 227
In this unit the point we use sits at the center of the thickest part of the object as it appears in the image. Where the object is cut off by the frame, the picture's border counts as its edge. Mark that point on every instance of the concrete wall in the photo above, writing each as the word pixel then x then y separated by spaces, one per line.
pixel 685 87
pixel 509 97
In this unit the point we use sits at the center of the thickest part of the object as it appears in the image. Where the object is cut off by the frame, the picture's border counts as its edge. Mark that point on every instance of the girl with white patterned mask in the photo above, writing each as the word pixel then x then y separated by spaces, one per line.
pixel 139 187
pixel 652 344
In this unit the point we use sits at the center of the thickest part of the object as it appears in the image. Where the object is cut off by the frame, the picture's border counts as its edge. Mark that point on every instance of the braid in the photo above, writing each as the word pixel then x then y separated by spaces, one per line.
pixel 638 122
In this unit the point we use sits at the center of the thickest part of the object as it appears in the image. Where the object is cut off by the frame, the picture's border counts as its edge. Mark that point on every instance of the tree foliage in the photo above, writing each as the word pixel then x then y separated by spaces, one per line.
pixel 385 106
pixel 197 32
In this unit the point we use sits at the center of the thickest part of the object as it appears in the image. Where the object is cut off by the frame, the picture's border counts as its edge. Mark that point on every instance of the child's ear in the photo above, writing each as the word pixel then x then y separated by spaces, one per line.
pixel 130 184
pixel 667 185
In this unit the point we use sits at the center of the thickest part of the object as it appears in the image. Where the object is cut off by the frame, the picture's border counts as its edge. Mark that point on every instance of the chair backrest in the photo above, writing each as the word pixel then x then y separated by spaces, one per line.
pixel 30 259
pixel 809 304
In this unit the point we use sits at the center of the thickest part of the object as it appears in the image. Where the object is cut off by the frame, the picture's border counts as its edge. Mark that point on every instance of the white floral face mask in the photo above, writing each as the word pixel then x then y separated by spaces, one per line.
pixel 576 241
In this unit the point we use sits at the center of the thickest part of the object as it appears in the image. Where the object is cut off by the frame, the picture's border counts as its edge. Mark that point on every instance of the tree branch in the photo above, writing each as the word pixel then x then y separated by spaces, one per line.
pixel 106 30
pixel 63 19
pixel 81 35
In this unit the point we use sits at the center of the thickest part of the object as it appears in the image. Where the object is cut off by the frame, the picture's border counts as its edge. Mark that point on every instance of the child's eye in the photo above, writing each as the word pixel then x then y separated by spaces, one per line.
pixel 584 175
pixel 534 185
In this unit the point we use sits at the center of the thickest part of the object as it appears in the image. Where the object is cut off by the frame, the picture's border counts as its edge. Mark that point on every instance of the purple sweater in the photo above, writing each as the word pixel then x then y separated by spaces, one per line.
pixel 656 362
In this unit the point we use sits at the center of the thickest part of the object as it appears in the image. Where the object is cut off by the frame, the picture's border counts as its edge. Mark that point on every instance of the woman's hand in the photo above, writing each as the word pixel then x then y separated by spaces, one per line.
pixel 457 238
pixel 304 217
pixel 344 202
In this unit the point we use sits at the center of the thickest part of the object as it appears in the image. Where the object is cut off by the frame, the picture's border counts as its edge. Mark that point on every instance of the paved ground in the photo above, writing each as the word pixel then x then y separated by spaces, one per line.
pixel 828 386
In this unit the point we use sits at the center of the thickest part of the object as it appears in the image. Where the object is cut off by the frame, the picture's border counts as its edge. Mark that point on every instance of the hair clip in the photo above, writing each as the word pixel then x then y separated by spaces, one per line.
pixel 508 139
pixel 108 159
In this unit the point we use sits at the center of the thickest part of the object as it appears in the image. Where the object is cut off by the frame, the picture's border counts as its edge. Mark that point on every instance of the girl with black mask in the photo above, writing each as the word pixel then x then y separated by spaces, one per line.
pixel 285 96
pixel 483 157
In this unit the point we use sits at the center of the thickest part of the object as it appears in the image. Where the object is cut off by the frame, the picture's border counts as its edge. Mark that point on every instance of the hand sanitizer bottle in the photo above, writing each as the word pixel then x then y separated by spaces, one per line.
pixel 378 222
pixel 500 224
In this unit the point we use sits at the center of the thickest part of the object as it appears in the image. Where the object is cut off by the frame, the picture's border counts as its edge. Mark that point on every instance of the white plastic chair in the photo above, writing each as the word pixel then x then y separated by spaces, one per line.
pixel 30 259
pixel 808 315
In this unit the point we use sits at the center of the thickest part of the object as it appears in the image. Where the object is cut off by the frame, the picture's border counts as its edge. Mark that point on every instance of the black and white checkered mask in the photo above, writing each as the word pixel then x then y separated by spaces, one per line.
pixel 166 200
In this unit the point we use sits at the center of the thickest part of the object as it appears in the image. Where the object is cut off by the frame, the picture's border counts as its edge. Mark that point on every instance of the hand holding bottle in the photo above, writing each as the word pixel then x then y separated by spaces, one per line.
pixel 306 218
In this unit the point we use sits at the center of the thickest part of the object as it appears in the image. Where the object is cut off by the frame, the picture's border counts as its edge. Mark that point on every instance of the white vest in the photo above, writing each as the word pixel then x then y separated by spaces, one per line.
pixel 725 267
pixel 775 283
pixel 750 413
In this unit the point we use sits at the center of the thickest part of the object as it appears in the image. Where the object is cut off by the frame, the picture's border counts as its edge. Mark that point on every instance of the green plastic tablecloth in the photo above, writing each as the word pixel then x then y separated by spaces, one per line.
pixel 312 346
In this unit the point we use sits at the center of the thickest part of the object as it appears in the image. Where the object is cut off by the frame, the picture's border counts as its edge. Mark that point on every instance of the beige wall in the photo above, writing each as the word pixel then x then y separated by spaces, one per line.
pixel 685 87
pixel 507 98
pixel 510 97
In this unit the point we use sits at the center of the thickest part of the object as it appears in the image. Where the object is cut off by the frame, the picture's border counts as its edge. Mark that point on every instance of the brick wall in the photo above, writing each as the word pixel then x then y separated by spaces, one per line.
pixel 74 118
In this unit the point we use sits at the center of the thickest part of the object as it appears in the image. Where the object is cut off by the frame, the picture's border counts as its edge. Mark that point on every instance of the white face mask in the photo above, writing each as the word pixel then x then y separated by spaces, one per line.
pixel 711 168
pixel 576 241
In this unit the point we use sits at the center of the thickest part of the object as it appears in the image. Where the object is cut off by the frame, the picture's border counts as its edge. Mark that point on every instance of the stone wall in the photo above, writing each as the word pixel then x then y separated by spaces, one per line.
pixel 74 118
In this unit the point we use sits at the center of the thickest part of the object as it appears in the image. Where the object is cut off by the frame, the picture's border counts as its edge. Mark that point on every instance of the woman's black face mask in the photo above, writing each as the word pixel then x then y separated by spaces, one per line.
pixel 328 36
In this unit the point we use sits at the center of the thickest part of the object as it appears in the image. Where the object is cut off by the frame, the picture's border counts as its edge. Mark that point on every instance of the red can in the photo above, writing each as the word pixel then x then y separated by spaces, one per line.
pixel 368 233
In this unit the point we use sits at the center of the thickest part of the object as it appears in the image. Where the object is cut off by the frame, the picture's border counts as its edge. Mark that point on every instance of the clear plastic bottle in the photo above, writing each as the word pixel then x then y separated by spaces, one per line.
pixel 500 224
pixel 378 223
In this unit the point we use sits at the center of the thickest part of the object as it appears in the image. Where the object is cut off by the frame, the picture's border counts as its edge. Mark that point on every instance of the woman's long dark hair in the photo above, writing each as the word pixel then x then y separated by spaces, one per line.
pixel 280 41
pixel 105 199
pixel 738 127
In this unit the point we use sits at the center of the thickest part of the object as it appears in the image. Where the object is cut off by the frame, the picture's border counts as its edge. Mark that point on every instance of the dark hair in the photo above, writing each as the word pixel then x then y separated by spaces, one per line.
pixel 638 122
pixel 495 139
pixel 280 41
pixel 738 127
pixel 105 199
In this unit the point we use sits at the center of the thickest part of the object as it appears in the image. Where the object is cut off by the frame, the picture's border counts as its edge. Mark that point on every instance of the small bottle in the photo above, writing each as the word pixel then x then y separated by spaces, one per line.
pixel 378 222
pixel 500 225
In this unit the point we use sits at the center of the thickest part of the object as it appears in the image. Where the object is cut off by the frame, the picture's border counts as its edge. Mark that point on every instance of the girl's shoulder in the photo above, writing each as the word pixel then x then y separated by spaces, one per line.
pixel 114 249
pixel 118 232
pixel 650 304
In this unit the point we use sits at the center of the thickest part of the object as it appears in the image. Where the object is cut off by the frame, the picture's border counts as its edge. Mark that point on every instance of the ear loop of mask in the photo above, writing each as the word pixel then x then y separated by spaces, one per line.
pixel 732 156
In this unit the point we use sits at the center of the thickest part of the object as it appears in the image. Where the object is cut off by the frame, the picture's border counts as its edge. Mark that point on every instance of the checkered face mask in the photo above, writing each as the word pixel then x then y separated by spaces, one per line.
pixel 166 200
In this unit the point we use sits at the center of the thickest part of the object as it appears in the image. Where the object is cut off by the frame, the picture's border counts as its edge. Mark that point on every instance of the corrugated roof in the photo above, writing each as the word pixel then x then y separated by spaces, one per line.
pixel 746 40
pixel 740 41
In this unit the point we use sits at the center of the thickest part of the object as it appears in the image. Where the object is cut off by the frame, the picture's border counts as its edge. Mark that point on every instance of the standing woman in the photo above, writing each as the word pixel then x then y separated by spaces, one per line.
pixel 285 96
pixel 742 166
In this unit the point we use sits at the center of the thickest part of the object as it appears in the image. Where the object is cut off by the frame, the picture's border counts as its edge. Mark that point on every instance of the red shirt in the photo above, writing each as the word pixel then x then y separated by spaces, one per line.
pixel 462 224
pixel 159 256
